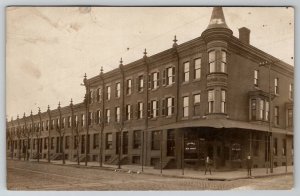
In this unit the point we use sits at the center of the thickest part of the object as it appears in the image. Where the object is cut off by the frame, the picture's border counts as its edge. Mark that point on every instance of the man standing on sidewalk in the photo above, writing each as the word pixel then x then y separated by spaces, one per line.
pixel 249 164
pixel 207 165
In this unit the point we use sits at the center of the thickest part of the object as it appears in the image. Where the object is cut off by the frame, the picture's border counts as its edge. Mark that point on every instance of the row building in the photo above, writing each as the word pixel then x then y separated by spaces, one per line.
pixel 215 95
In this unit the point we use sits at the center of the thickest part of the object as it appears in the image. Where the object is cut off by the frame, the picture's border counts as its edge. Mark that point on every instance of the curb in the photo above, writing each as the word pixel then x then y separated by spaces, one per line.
pixel 155 174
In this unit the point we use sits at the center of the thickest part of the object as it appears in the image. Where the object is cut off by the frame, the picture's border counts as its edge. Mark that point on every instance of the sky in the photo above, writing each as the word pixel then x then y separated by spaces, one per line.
pixel 49 49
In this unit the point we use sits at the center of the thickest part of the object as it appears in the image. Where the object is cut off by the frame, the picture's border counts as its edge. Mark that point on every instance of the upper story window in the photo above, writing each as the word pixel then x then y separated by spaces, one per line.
pixel 128 112
pixel 90 98
pixel 76 120
pixel 197 68
pixel 267 110
pixel 153 81
pixel 169 76
pixel 82 120
pixel 185 106
pixel 99 94
pixel 261 109
pixel 223 61
pixel 153 108
pixel 186 69
pixel 107 112
pixel 69 121
pixel 223 101
pixel 98 117
pixel 253 109
pixel 168 106
pixel 117 114
pixel 291 93
pixel 63 122
pixel 108 93
pixel 140 110
pixel 196 104
pixel 276 86
pixel 141 83
pixel 118 90
pixel 212 61
pixel 128 86
pixel 290 118
pixel 276 115
pixel 211 101
pixel 255 77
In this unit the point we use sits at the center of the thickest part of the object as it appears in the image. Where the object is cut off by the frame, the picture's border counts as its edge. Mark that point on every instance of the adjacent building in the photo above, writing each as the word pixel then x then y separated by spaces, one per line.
pixel 215 95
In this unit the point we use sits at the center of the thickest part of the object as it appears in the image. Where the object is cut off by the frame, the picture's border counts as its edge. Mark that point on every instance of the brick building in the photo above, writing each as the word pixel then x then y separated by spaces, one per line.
pixel 210 96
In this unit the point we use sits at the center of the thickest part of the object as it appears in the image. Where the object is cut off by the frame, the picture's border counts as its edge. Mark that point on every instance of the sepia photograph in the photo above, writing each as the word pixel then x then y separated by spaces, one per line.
pixel 149 98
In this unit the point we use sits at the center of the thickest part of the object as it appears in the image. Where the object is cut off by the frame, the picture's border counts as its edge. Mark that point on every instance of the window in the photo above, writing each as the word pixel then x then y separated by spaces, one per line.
pixel 98 117
pixel 275 152
pixel 140 110
pixel 76 142
pixel 212 61
pixel 90 117
pixel 76 120
pixel 108 91
pixel 185 106
pixel 52 125
pixel 284 147
pixel 57 123
pixel 137 139
pixel 107 112
pixel 223 61
pixel 211 100
pixel 67 142
pixel 253 109
pixel 256 77
pixel 52 142
pixel 98 94
pixel 276 86
pixel 267 110
pixel 47 125
pixel 291 93
pixel 154 81
pixel 118 89
pixel 223 101
pixel 108 141
pixel 82 120
pixel 117 114
pixel 261 109
pixel 196 104
pixel 197 70
pixel 153 109
pixel 170 106
pixel 186 72
pixel 140 83
pixel 276 115
pixel 290 118
pixel 69 121
pixel 96 140
pixel 128 112
pixel 155 140
pixel 128 86
pixel 170 76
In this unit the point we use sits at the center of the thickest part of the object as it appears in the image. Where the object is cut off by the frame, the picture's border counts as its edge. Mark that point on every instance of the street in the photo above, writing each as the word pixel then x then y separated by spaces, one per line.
pixel 43 176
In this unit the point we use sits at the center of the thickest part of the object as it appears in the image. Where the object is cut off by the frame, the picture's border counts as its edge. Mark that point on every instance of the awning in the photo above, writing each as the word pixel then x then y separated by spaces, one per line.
pixel 221 123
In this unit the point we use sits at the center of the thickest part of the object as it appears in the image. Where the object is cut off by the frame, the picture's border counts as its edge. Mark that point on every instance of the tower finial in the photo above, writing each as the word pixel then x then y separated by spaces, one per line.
pixel 59 105
pixel 121 61
pixel 48 107
pixel 145 53
pixel 217 19
pixel 101 70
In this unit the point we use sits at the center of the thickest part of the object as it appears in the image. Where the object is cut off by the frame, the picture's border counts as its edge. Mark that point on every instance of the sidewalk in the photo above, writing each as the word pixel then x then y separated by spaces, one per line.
pixel 188 173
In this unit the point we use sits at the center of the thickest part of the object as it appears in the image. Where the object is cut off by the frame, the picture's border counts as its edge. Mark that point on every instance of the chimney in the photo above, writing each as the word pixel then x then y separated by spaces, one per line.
pixel 244 35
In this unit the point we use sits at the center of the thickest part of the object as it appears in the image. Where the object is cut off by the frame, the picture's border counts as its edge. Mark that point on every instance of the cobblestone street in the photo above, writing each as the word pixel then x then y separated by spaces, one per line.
pixel 42 176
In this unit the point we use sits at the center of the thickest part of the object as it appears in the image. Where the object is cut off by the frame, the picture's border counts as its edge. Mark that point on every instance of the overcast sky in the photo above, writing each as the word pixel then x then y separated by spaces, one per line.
pixel 49 49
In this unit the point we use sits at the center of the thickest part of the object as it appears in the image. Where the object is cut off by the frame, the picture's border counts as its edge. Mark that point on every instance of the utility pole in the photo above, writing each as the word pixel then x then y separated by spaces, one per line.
pixel 87 102
pixel 270 135
pixel 101 118
pixel 49 130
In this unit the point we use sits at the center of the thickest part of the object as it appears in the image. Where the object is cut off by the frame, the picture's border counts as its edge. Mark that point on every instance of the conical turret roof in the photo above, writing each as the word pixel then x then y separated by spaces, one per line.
pixel 217 19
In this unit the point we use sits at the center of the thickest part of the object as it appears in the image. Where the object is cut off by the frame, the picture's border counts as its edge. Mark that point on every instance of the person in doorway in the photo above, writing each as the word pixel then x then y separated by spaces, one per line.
pixel 207 165
pixel 249 165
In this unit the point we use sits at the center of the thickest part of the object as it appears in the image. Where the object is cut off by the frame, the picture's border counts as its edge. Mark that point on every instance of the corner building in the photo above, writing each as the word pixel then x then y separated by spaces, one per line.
pixel 205 97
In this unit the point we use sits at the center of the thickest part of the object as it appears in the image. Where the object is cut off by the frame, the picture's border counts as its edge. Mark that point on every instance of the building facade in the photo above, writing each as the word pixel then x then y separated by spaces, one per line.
pixel 215 95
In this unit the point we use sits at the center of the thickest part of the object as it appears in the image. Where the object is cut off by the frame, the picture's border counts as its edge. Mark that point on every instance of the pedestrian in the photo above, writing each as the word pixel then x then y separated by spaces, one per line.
pixel 249 165
pixel 207 165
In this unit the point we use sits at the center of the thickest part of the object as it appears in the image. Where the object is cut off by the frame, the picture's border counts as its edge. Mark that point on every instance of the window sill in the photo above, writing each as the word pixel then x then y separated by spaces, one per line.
pixel 154 119
pixel 197 80
pixel 185 118
pixel 169 85
pixel 196 117
pixel 185 83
